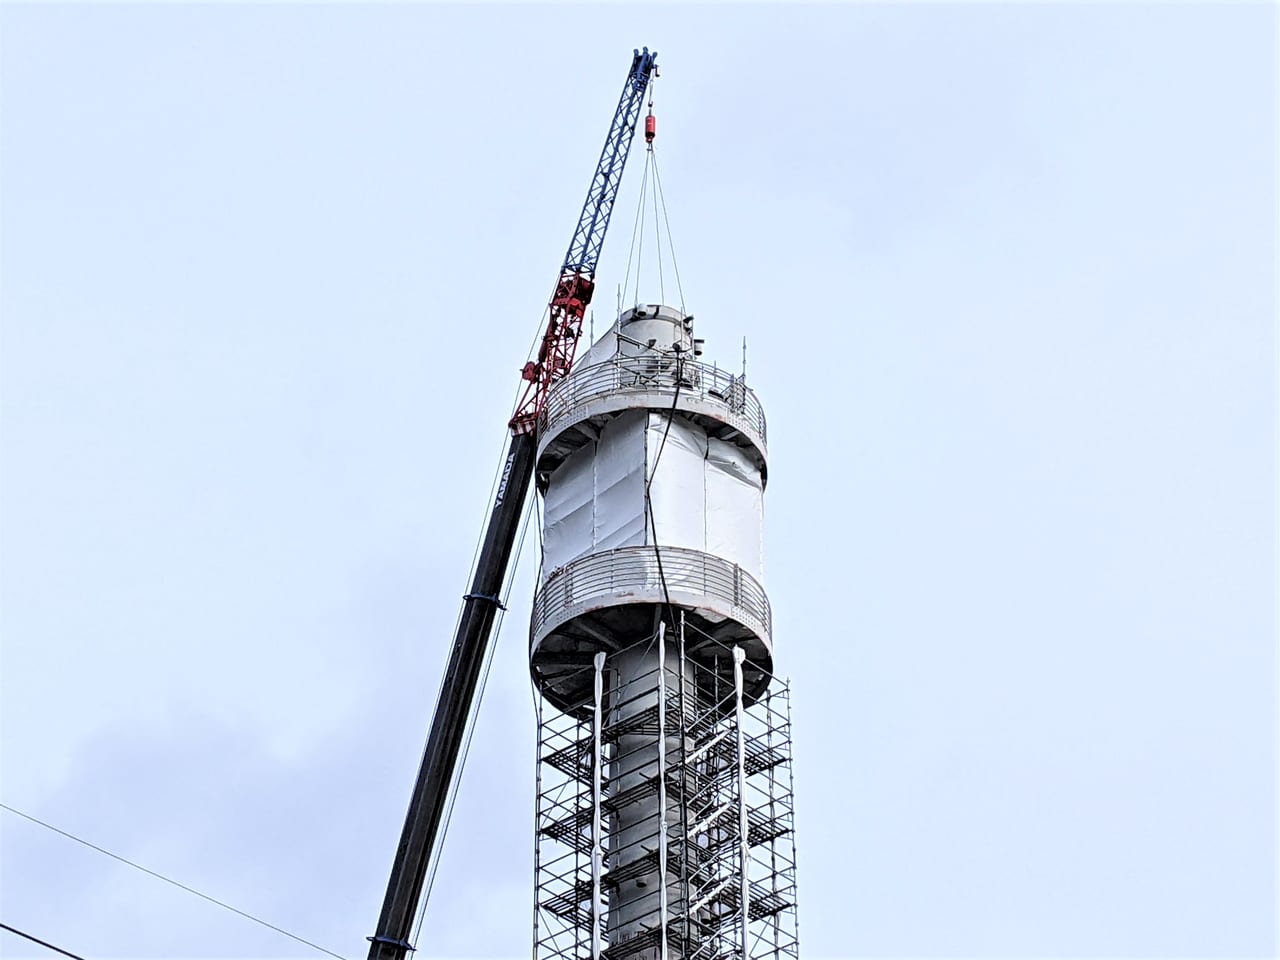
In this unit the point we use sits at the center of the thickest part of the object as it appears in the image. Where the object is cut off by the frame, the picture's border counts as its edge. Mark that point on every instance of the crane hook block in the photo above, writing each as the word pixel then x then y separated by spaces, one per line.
pixel 650 128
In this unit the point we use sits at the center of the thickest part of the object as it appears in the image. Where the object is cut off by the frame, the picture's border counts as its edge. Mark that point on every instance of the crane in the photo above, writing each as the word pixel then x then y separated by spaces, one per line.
pixel 574 287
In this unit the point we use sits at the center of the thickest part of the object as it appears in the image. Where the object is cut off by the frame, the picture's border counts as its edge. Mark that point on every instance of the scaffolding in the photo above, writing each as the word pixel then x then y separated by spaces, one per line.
pixel 665 821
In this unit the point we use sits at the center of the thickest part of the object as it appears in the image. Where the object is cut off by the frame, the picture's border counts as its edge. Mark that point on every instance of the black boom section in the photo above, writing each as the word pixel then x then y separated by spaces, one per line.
pixel 424 821
pixel 422 825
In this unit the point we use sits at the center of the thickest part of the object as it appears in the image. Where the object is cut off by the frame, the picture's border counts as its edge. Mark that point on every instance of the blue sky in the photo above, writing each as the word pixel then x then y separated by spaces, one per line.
pixel 1007 275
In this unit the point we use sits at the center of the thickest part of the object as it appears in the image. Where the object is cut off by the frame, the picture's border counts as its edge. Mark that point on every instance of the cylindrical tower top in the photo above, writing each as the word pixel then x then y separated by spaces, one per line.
pixel 652 466
pixel 648 359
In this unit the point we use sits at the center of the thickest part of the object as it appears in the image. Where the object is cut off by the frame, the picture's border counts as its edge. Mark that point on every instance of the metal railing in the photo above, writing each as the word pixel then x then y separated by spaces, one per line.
pixel 650 373
pixel 633 572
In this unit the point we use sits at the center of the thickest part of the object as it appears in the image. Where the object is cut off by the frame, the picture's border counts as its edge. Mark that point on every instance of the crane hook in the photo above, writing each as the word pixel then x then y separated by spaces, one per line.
pixel 651 122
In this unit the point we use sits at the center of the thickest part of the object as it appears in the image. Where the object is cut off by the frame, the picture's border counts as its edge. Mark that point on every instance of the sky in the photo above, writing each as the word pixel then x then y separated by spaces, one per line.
pixel 1007 276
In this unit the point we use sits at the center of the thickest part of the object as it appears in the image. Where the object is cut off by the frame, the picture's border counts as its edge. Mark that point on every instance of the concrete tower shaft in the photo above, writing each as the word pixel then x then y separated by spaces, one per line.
pixel 651 645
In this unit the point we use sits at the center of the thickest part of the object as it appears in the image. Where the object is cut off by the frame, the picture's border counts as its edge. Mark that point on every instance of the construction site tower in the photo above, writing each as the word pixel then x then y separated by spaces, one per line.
pixel 664 824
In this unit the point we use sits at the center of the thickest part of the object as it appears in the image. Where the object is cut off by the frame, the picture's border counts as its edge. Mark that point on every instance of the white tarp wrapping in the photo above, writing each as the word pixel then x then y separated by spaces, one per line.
pixel 735 507
pixel 706 495
pixel 595 499
pixel 568 510
pixel 677 493
pixel 619 518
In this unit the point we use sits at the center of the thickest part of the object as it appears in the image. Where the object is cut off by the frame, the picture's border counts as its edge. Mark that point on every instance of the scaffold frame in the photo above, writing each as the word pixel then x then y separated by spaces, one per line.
pixel 718 851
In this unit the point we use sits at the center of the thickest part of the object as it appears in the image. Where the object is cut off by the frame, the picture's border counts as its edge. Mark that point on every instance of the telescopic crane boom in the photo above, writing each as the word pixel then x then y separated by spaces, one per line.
pixel 576 282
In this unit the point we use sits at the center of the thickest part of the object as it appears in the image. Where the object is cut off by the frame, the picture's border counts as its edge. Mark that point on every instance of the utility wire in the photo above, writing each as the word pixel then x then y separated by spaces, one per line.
pixel 43 943
pixel 180 886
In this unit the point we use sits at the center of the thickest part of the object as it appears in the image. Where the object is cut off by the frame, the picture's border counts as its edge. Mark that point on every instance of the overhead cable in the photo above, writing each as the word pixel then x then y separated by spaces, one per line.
pixel 43 943
pixel 169 880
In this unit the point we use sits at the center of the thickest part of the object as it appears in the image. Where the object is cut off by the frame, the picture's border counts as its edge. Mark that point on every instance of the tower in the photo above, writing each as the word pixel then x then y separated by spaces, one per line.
pixel 664 822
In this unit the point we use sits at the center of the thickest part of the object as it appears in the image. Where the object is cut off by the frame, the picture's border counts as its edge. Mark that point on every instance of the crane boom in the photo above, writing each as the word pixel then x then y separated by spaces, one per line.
pixel 578 273
pixel 423 822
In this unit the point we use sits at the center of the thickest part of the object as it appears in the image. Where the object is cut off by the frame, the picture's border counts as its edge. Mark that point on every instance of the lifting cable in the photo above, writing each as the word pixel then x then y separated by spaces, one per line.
pixel 661 222
pixel 657 180
pixel 637 233
pixel 650 131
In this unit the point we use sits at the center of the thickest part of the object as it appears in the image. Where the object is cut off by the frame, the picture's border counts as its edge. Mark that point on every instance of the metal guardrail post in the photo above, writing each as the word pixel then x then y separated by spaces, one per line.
pixel 662 786
pixel 597 850
pixel 744 825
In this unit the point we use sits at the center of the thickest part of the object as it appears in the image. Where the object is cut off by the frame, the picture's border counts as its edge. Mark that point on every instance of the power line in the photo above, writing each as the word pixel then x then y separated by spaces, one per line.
pixel 43 943
pixel 180 886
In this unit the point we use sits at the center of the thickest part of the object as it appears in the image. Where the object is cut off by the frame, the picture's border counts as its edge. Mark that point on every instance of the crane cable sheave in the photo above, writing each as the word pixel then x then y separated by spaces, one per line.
pixel 576 283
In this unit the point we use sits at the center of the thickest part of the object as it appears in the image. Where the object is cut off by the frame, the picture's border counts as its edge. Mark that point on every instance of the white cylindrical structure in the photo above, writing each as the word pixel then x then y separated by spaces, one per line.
pixel 652 467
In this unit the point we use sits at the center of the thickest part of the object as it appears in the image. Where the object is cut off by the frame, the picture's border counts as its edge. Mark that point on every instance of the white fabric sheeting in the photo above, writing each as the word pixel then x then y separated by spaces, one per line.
pixel 568 510
pixel 677 493
pixel 706 495
pixel 735 507
pixel 595 499
pixel 619 516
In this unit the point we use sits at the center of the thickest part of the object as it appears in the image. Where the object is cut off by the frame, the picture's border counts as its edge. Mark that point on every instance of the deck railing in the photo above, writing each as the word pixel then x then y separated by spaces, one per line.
pixel 632 574
pixel 660 373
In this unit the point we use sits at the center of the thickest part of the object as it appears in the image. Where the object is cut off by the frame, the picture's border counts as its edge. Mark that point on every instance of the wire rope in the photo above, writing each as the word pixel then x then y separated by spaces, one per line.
pixel 637 234
pixel 648 500
pixel 657 237
pixel 657 180
pixel 662 221
pixel 43 943
pixel 170 880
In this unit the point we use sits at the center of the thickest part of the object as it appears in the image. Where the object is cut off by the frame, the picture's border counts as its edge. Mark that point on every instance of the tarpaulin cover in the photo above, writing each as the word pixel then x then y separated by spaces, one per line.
pixel 595 498
pixel 619 516
pixel 677 493
pixel 568 509
pixel 735 507
pixel 705 495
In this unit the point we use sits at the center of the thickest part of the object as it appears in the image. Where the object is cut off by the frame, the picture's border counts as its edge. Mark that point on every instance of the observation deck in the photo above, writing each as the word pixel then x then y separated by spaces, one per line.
pixel 578 405
pixel 600 596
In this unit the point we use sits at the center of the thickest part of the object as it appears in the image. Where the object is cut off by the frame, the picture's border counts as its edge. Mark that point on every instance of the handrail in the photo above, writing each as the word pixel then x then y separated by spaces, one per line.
pixel 626 571
pixel 655 373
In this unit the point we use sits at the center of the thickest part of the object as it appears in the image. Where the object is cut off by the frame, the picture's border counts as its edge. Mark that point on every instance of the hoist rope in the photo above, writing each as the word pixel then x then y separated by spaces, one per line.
pixel 671 245
pixel 661 222
pixel 637 234
pixel 657 233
